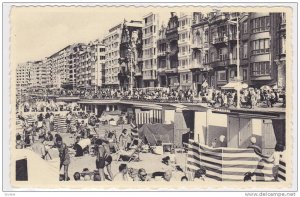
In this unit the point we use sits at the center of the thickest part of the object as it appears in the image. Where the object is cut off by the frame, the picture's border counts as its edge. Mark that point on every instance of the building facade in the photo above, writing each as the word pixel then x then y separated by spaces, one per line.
pixel 98 65
pixel 112 45
pixel 184 51
pixel 200 66
pixel 150 36
pixel 194 51
pixel 279 47
pixel 38 74
pixel 162 57
pixel 171 71
pixel 60 67
pixel 130 55
pixel 23 76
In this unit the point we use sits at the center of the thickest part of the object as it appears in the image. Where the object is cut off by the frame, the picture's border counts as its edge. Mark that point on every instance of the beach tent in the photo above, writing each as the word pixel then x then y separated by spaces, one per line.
pixel 152 133
pixel 29 168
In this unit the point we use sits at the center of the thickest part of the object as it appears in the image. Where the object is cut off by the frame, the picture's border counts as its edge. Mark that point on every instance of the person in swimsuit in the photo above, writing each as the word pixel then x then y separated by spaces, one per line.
pixel 64 156
pixel 103 159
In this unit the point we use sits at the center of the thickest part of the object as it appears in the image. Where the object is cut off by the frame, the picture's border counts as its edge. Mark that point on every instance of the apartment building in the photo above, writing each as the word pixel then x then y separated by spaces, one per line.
pixel 74 64
pixel 60 67
pixel 279 50
pixel 98 65
pixel 200 66
pixel 263 49
pixel 90 71
pixel 162 57
pixel 171 71
pixel 150 36
pixel 184 51
pixel 38 74
pixel 112 45
pixel 223 48
pixel 49 72
pixel 23 76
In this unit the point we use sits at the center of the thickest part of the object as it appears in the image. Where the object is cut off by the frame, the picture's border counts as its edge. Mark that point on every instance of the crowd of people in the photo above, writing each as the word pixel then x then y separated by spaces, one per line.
pixel 41 136
pixel 250 97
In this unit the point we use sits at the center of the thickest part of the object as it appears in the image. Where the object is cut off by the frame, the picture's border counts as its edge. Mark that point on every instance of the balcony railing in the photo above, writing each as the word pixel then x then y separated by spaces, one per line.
pixel 161 53
pixel 219 40
pixel 197 46
pixel 196 65
pixel 220 63
pixel 232 37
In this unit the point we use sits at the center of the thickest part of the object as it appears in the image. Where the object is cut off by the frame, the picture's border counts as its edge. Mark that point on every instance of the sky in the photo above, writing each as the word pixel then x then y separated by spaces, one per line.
pixel 40 32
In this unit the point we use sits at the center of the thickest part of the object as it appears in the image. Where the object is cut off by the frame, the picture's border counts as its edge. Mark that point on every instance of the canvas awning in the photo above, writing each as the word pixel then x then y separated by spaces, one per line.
pixel 234 86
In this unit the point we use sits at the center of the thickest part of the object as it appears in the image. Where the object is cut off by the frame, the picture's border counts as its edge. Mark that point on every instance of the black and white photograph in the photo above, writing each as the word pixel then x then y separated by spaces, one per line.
pixel 115 96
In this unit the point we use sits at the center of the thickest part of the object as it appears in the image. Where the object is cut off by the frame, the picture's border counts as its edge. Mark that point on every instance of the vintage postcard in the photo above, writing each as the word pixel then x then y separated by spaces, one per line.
pixel 151 97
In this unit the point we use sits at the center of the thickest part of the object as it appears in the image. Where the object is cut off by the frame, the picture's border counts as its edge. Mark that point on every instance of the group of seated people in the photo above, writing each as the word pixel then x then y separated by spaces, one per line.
pixel 126 173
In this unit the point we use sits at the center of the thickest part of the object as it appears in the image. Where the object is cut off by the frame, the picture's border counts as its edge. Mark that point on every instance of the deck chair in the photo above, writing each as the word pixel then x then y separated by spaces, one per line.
pixel 131 155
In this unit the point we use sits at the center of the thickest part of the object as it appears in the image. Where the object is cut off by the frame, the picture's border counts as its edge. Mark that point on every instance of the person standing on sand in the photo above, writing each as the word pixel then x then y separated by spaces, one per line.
pixel 63 155
pixel 103 159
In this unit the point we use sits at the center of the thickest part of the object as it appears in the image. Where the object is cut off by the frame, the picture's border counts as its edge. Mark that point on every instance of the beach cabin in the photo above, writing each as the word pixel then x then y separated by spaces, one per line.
pixel 268 127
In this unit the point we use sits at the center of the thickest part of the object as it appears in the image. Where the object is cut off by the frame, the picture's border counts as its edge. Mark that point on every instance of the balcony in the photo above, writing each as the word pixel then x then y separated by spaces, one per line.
pixel 283 25
pixel 171 70
pixel 172 52
pixel 146 77
pixel 138 72
pixel 217 41
pixel 196 65
pixel 196 46
pixel 161 69
pixel 139 59
pixel 232 61
pixel 232 37
pixel 220 63
pixel 161 53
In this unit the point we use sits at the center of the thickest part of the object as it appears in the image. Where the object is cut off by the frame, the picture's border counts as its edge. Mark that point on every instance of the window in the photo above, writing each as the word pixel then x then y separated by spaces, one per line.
pixel 260 46
pixel 206 36
pixel 212 56
pixel 260 68
pixel 260 24
pixel 245 75
pixel 282 45
pixel 245 27
pixel 206 57
pixel 233 73
pixel 222 75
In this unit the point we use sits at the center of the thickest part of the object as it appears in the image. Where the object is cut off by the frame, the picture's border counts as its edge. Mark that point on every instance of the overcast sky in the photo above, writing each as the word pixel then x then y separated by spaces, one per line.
pixel 40 32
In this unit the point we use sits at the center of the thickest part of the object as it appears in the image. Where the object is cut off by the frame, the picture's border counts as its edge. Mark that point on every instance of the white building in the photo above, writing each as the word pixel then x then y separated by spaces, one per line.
pixel 150 35
pixel 112 44
pixel 185 52
pixel 91 65
pixel 23 75
pixel 99 64
pixel 38 74
pixel 60 67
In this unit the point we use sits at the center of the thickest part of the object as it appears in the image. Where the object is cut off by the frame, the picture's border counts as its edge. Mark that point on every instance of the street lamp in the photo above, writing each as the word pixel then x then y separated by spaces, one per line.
pixel 237 60
pixel 131 68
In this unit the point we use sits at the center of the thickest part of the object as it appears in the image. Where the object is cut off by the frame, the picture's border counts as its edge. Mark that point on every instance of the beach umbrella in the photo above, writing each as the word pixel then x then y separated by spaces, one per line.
pixel 265 87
